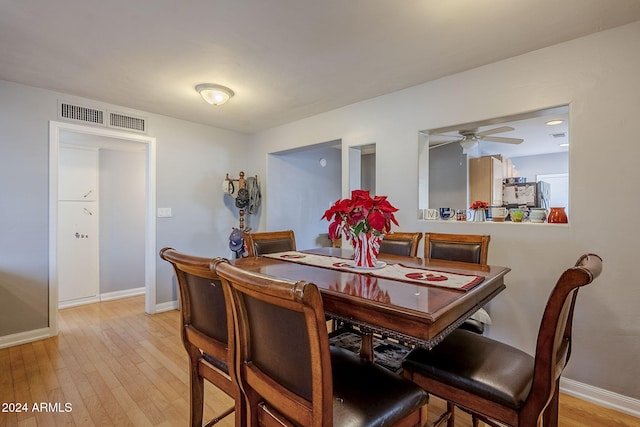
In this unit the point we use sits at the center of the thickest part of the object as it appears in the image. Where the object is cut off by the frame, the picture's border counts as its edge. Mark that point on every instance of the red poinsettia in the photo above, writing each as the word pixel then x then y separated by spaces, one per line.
pixel 360 213
pixel 478 204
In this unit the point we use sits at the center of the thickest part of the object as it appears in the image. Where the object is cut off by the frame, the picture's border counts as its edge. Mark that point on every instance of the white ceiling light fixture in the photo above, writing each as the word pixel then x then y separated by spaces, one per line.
pixel 554 122
pixel 468 144
pixel 214 94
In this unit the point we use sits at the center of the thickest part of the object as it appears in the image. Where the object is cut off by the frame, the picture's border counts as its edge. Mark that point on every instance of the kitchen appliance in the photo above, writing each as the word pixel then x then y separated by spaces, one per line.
pixel 526 194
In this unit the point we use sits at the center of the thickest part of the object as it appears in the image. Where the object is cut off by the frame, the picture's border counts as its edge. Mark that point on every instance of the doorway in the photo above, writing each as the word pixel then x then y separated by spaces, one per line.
pixel 303 183
pixel 362 168
pixel 80 135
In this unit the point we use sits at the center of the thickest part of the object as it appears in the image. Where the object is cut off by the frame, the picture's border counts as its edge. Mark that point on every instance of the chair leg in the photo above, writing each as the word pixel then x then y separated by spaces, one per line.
pixel 451 410
pixel 196 398
pixel 550 414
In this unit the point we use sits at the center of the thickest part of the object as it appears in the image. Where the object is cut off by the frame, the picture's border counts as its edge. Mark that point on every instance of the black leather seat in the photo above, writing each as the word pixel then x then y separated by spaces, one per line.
pixel 476 364
pixel 495 381
pixel 288 372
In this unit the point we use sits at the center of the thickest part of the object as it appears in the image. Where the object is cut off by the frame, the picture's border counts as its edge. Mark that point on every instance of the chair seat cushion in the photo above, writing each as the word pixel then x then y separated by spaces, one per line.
pixel 367 395
pixel 477 364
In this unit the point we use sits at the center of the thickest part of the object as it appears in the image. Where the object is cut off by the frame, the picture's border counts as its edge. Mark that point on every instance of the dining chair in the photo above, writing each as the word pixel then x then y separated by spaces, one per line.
pixel 270 242
pixel 401 243
pixel 290 375
pixel 497 382
pixel 470 248
pixel 204 330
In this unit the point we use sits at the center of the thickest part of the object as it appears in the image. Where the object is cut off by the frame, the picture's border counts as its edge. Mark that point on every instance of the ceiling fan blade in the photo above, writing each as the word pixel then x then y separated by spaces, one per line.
pixel 443 136
pixel 502 139
pixel 495 130
pixel 435 144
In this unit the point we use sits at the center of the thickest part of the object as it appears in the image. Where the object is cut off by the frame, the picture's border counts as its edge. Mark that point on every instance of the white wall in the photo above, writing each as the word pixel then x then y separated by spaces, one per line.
pixel 303 191
pixel 530 166
pixel 447 177
pixel 192 161
pixel 122 220
pixel 598 77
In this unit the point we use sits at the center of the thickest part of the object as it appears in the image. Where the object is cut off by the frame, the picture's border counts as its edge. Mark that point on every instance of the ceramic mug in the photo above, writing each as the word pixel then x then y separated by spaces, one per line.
pixel 537 215
pixel 497 213
pixel 431 214
pixel 516 214
pixel 447 213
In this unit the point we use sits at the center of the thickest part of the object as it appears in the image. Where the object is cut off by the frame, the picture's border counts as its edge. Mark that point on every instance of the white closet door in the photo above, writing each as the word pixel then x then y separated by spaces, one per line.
pixel 78 226
pixel 78 276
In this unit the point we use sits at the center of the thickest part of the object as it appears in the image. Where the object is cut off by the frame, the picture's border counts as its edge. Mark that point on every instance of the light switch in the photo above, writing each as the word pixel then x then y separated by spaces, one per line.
pixel 164 212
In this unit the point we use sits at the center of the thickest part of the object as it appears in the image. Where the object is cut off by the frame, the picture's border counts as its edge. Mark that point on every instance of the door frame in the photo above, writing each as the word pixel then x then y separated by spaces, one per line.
pixel 150 219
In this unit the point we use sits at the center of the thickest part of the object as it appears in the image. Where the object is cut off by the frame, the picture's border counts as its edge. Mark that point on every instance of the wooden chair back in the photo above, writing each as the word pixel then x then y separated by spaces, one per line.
pixel 282 354
pixel 204 328
pixel 270 242
pixel 471 248
pixel 553 347
pixel 401 243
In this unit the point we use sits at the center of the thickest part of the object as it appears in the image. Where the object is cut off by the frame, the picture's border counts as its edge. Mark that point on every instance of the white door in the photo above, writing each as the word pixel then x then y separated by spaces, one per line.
pixel 78 226
pixel 77 251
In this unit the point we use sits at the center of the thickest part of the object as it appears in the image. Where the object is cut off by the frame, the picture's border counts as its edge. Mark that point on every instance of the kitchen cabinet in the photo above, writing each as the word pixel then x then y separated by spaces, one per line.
pixel 485 180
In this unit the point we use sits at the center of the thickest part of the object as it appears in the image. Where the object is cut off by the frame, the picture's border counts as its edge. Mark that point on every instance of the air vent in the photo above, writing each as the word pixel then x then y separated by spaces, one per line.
pixel 559 135
pixel 81 114
pixel 121 121
pixel 95 116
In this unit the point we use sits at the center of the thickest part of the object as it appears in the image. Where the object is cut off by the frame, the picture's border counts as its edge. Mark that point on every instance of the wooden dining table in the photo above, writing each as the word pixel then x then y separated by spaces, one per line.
pixel 417 314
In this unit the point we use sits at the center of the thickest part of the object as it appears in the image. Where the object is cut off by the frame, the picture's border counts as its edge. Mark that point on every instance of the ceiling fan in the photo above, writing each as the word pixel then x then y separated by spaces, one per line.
pixel 469 138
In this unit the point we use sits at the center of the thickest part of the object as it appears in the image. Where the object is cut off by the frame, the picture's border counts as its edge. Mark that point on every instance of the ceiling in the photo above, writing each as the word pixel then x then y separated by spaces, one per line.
pixel 285 59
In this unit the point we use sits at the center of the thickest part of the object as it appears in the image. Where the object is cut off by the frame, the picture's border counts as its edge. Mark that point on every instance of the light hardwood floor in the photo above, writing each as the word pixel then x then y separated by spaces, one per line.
pixel 113 365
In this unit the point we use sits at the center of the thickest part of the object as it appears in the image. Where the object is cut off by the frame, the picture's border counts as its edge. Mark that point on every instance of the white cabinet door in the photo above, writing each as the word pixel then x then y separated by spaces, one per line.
pixel 78 174
pixel 78 275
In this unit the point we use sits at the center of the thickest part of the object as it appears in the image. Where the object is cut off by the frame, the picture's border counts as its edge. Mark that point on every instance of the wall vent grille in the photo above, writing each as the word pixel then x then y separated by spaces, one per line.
pixel 121 121
pixel 81 114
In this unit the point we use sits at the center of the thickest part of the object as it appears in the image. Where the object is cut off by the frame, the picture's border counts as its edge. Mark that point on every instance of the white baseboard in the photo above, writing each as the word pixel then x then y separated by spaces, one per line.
pixel 601 397
pixel 167 306
pixel 102 297
pixel 77 302
pixel 122 294
pixel 25 337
